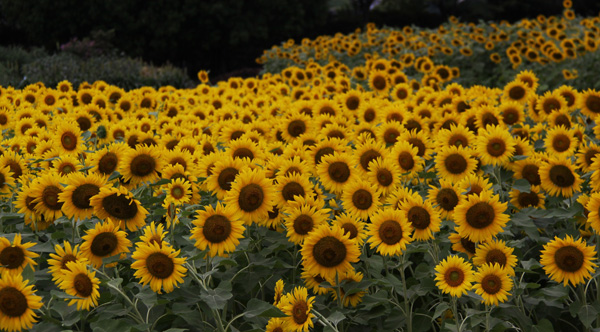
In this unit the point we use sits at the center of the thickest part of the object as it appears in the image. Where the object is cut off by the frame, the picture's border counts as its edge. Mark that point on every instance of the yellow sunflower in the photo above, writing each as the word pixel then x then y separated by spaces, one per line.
pixel 297 307
pixel 290 186
pixel 67 137
pixel 528 169
pixel 153 233
pixel 14 257
pixel 7 181
pixel 348 299
pixel 109 159
pixel 178 192
pixel 495 145
pixel 120 205
pixel 142 164
pixel 454 276
pixel 252 195
pixel 327 251
pixel 558 177
pixel 354 227
pixel 406 156
pixel 218 229
pixel 389 231
pixel 17 303
pixel 46 190
pixel 424 219
pixel 560 142
pixel 158 266
pixel 360 199
pixel 445 197
pixel 492 283
pixel 367 152
pixel 462 244
pixel 457 135
pixel 103 241
pixel 57 265
pixel 533 198
pixel 77 280
pixel 589 103
pixel 454 163
pixel 223 174
pixel 568 261
pixel 385 175
pixel 496 252
pixel 480 217
pixel 76 196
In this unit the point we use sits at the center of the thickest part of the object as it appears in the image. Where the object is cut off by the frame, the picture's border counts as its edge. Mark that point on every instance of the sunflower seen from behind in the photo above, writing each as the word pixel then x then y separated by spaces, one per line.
pixel 568 261
pixel 17 303
pixel 103 241
pixel 77 280
pixel 158 266
pixel 219 229
pixel 454 276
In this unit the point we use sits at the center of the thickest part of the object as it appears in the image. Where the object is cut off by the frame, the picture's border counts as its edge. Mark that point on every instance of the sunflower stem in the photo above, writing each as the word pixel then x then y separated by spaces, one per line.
pixel 339 290
pixel 488 310
pixel 405 292
pixel 324 320
pixel 454 301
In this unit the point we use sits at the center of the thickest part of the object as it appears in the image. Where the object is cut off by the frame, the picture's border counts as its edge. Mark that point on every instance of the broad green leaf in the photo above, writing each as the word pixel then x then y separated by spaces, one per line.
pixel 587 314
pixel 336 317
pixel 260 308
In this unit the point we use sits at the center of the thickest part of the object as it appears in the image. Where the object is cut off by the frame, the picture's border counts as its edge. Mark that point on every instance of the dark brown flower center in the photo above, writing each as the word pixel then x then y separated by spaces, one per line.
pixel 531 173
pixel 528 199
pixel 339 171
pixel 419 217
pixel 516 93
pixel 561 176
pixel 292 189
pixel 384 177
pixel 561 143
pixel 390 136
pixel 390 232
pixel 562 120
pixel 142 165
pixel 368 116
pixel 83 285
pixel 296 128
pixel 406 160
pixel 65 259
pixel 454 277
pixel 323 152
pixel 367 157
pixel 468 244
pixel 362 199
pixel 217 228
pixel 329 251
pixel 108 163
pixel 243 153
pixel 84 123
pixel 350 229
pixel 496 147
pixel 379 83
pixel 303 224
pixel 82 194
pixel 13 303
pixel 496 256
pixel 251 197
pixel 68 141
pixel 300 312
pixel 447 199
pixel 569 258
pixel 12 257
pixel 292 170
pixel 510 116
pixel 50 198
pixel 550 104
pixel 226 177
pixel 456 163
pixel 480 215
pixel 104 244
pixel 590 156
pixel 120 206
pixel 593 103
pixel 160 265
pixel 491 284
pixel 352 103
pixel 458 140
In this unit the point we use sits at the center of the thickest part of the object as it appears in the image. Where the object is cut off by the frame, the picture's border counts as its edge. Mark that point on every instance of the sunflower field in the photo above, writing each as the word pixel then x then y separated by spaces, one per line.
pixel 386 180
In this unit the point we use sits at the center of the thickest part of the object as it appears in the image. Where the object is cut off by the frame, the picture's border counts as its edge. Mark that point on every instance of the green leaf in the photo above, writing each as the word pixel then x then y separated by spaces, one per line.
pixel 176 330
pixel 147 296
pixel 543 326
pixel 62 295
pixel 522 185
pixel 28 274
pixel 115 282
pixel 587 314
pixel 217 298
pixel 260 308
pixel 336 317
pixel 111 259
pixel 440 309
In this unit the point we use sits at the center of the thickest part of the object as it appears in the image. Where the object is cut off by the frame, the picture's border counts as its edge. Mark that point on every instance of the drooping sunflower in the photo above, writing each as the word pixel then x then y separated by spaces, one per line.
pixel 103 241
pixel 480 217
pixel 76 196
pixel 494 145
pixel 453 163
pixel 119 205
pixel 454 276
pixel 533 198
pixel 389 231
pixel 496 252
pixel 252 195
pixel 217 228
pixel 424 219
pixel 568 261
pixel 77 280
pixel 558 177
pixel 14 257
pixel 17 303
pixel 297 307
pixel 493 283
pixel 301 220
pixel 142 164
pixel 360 199
pixel 327 251
pixel 158 266
pixel 59 259
pixel 335 171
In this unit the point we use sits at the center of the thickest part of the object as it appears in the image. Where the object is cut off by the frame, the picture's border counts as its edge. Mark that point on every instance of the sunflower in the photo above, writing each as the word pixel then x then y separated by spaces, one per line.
pixel 244 148
pixel 77 280
pixel 46 191
pixel 142 164
pixel 589 103
pixel 445 197
pixel 560 142
pixel 57 265
pixel 359 199
pixel 453 163
pixel 385 175
pixel 324 148
pixel 223 174
pixel 335 171
pixel 588 153
pixel 76 196
pixel 327 251
pixel 406 156
pixel 517 91
pixel 495 146
pixel 158 266
pixel 290 186
pixel 252 194
pixel 15 162
pixel 457 135
pixel 120 205
pixel 462 244
pixel 17 303
pixel 109 159
pixel 297 307
pixel 493 283
pixel 533 198
pixel 354 227
pixel 454 276
pixel 528 169
pixel 301 220
pixel 67 137
pixel 480 217
pixel 367 152
pixel 103 241
pixel 496 252
pixel 14 257
pixel 218 229
pixel 275 325
pixel 558 177
pixel 424 219
pixel 7 182
pixel 593 206
pixel 348 299
pixel 178 192
pixel 389 231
